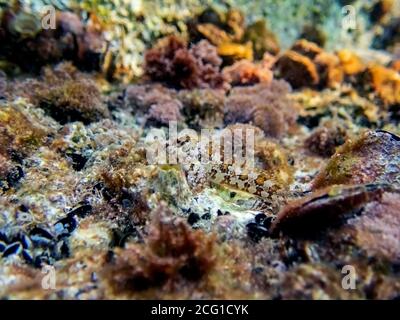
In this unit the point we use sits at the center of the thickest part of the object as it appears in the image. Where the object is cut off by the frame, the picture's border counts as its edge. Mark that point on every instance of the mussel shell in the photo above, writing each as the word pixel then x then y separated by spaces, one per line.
pixel 68 225
pixel 25 241
pixel 37 231
pixel 2 246
pixel 27 256
pixel 12 249
pixel 326 207
pixel 41 237
pixel 81 211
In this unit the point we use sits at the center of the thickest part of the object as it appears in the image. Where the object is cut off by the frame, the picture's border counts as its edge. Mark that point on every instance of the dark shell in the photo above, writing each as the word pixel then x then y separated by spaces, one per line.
pixel 12 249
pixel 3 237
pixel 41 237
pixel 37 231
pixel 325 207
pixel 81 211
pixel 27 256
pixel 256 231
pixel 2 246
pixel 263 220
pixel 68 224
pixel 26 242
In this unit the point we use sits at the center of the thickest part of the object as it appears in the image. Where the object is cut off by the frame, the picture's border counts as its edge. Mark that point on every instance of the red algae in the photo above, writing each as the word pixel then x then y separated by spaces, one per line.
pixel 283 168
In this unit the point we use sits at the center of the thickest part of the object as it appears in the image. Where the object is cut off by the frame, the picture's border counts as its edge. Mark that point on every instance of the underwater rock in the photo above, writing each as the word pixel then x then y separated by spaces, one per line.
pixel 231 51
pixel 350 62
pixel 297 69
pixel 245 72
pixel 140 98
pixel 314 281
pixel 73 98
pixel 128 169
pixel 218 27
pixel 157 103
pixel 171 62
pixel 318 106
pixel 203 108
pixel 214 34
pixel 172 251
pixel 76 100
pixel 80 190
pixel 33 47
pixel 262 39
pixel 377 230
pixel 166 112
pixel 307 48
pixel 372 158
pixel 324 140
pixel 329 70
pixel 64 93
pixel 234 40
pixel 380 9
pixel 265 105
pixel 390 35
pixel 3 84
pixel 313 33
pixel 384 82
pixel 20 132
pixel 319 67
